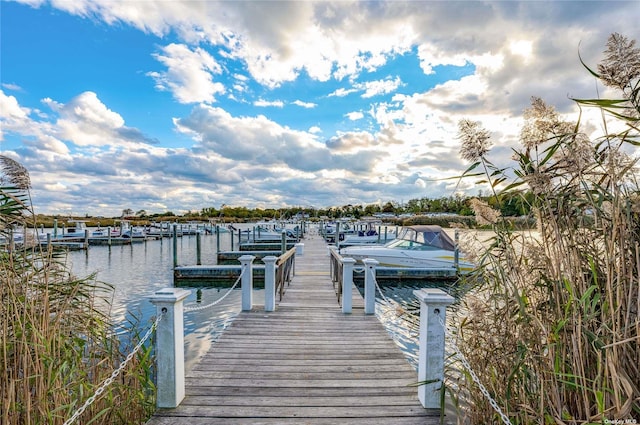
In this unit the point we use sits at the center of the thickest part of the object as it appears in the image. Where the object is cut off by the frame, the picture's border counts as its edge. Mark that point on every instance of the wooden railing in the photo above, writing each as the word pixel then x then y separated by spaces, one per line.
pixel 336 270
pixel 170 330
pixel 285 269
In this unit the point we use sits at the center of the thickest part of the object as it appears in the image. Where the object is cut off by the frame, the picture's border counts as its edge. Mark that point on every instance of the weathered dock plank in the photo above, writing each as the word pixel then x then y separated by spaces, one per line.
pixel 305 363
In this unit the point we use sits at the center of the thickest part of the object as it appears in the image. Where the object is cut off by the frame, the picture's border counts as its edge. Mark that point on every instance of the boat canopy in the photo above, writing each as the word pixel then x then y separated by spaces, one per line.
pixel 423 237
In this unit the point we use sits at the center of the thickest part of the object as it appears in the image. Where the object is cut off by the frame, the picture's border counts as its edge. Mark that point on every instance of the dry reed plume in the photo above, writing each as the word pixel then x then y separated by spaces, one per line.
pixel 553 329
pixel 57 343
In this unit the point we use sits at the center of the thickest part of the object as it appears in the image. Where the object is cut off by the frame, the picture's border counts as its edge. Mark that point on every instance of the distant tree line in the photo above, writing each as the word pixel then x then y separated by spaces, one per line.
pixel 514 205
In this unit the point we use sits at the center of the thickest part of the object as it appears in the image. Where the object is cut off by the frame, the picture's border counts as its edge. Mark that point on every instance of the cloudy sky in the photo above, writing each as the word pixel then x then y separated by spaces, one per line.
pixel 179 105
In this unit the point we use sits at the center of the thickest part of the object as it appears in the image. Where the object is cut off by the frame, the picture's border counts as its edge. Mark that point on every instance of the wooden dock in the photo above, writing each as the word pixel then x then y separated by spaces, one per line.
pixel 305 363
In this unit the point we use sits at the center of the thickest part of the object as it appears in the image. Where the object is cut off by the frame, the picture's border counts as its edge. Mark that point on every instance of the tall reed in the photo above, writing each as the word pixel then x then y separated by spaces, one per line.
pixel 552 329
pixel 56 339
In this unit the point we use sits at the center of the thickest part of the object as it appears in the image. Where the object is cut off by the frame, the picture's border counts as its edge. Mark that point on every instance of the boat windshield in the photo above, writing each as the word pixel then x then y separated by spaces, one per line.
pixel 424 240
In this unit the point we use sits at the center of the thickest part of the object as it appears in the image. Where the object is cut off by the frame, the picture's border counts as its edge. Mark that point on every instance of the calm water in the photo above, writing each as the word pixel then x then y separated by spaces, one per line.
pixel 138 270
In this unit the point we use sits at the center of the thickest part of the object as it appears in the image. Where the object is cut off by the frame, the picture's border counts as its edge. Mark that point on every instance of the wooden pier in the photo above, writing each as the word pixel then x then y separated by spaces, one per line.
pixel 304 363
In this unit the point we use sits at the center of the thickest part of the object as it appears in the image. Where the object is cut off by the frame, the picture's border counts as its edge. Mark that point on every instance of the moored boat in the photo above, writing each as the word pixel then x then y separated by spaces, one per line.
pixel 74 229
pixel 424 247
pixel 367 232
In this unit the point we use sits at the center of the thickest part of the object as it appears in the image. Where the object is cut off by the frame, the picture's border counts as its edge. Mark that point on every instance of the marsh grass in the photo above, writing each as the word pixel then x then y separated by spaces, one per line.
pixel 56 339
pixel 553 328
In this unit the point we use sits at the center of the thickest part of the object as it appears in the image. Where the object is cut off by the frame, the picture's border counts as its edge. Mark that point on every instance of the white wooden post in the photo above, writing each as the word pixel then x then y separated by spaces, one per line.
pixel 247 281
pixel 370 285
pixel 433 305
pixel 347 284
pixel 269 282
pixel 170 346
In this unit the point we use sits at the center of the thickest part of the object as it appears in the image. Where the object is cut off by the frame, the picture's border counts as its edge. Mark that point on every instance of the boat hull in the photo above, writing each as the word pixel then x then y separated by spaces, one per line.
pixel 436 259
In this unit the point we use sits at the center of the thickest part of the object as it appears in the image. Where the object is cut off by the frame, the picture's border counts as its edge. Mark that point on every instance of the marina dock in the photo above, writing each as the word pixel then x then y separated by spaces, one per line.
pixel 304 363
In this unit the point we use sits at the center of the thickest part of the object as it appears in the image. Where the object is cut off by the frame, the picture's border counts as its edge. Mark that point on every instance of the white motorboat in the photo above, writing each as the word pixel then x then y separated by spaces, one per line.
pixel 424 247
pixel 103 232
pixel 265 234
pixel 129 231
pixel 367 233
pixel 74 229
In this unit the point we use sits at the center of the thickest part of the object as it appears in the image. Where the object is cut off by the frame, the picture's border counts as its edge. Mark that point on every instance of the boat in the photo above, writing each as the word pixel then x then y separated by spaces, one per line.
pixel 343 228
pixel 127 230
pixel 74 229
pixel 422 246
pixel 12 236
pixel 102 232
pixel 261 233
pixel 367 232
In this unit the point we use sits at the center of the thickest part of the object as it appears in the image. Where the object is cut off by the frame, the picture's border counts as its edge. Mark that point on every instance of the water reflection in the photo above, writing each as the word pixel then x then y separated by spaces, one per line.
pixel 399 312
pixel 138 270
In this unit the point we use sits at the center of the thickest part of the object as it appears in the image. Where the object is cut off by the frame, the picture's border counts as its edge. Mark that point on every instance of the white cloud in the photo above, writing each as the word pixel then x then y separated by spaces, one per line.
pixel 342 92
pixel 85 121
pixel 354 116
pixel 10 110
pixel 376 88
pixel 370 88
pixel 323 39
pixel 307 105
pixel 514 49
pixel 267 103
pixel 12 86
pixel 189 75
pixel 261 143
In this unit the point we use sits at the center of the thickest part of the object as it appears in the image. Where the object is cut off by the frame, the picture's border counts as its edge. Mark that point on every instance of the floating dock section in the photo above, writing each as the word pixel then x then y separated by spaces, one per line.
pixel 219 276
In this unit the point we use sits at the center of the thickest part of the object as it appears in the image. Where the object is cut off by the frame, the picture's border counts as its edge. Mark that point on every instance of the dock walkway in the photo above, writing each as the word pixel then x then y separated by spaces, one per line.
pixel 305 363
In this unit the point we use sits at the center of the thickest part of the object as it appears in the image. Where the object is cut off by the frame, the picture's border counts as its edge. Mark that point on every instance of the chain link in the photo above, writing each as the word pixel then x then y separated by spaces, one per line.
pixel 386 300
pixel 137 348
pixel 475 378
pixel 115 373
pixel 219 300
pixel 460 357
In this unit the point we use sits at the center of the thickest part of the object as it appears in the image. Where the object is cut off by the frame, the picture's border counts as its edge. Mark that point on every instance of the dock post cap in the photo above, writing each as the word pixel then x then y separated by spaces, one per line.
pixel 370 262
pixel 246 258
pixel 433 296
pixel 170 295
pixel 348 260
pixel 269 259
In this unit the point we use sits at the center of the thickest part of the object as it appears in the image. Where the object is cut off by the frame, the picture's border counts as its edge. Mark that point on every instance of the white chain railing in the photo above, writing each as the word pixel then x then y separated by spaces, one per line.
pixel 137 348
pixel 386 300
pixel 460 357
pixel 467 366
pixel 115 373
pixel 219 300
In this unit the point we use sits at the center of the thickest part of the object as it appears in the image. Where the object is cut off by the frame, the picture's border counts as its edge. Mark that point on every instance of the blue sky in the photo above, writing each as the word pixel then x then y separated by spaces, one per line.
pixel 176 106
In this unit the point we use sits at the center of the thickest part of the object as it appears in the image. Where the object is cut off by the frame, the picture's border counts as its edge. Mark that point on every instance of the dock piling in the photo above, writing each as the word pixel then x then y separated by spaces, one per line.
pixel 170 390
pixel 247 281
pixel 433 306
pixel 347 284
pixel 198 249
pixel 370 285
pixel 269 282
pixel 175 246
